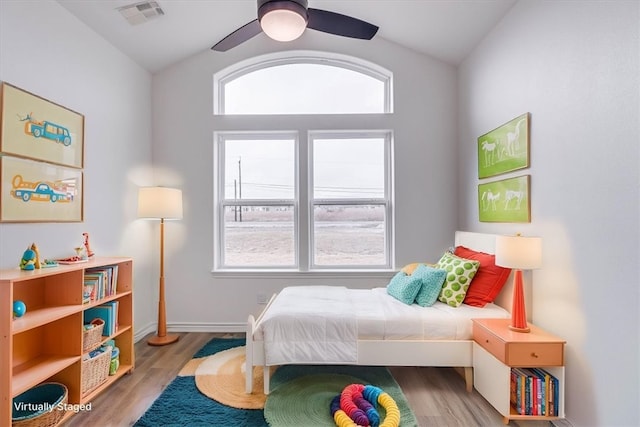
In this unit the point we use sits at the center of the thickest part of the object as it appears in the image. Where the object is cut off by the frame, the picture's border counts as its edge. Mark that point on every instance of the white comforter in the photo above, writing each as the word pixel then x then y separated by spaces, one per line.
pixel 310 324
pixel 322 324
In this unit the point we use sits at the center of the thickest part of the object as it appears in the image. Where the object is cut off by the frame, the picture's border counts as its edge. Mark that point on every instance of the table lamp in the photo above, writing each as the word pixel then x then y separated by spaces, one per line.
pixel 519 253
pixel 160 203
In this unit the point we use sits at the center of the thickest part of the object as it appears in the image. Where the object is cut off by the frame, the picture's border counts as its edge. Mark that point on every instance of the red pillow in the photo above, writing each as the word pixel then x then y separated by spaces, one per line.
pixel 489 279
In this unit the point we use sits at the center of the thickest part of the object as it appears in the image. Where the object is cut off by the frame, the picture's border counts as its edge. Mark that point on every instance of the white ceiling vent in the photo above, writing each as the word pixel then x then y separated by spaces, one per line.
pixel 138 13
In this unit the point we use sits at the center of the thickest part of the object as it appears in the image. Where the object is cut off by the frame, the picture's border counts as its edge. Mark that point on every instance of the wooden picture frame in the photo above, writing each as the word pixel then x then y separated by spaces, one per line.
pixel 506 200
pixel 32 191
pixel 504 149
pixel 35 128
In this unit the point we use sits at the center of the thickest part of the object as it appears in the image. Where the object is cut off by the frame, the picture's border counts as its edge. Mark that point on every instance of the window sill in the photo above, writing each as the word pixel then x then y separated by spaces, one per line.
pixel 290 274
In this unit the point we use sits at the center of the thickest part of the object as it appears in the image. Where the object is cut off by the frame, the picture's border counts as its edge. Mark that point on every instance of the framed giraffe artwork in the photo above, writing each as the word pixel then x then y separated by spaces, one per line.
pixel 506 200
pixel 504 149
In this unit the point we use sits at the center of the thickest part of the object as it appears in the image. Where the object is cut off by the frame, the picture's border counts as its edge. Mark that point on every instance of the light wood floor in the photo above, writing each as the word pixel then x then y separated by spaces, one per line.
pixel 436 395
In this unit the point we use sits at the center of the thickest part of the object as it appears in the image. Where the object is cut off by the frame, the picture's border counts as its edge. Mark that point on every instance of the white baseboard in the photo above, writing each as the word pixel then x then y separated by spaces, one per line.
pixel 206 327
pixel 141 332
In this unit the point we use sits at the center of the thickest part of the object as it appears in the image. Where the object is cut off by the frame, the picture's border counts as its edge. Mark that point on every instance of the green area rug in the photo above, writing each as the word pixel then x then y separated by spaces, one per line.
pixel 300 396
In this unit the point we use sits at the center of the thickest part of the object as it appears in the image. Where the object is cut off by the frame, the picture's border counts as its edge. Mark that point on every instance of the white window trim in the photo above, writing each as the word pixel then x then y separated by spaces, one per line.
pixel 261 126
pixel 228 74
pixel 386 200
pixel 220 203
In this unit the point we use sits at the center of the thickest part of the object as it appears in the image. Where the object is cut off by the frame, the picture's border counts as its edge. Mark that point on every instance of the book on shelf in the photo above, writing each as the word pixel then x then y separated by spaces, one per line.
pixel 101 281
pixel 534 391
pixel 108 312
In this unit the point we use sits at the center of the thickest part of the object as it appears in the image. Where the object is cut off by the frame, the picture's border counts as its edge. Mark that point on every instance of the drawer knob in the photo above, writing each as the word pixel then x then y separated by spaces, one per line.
pixel 534 355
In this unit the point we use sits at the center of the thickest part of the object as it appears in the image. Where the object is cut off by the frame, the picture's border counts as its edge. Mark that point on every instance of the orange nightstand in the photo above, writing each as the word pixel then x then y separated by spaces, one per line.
pixel 498 352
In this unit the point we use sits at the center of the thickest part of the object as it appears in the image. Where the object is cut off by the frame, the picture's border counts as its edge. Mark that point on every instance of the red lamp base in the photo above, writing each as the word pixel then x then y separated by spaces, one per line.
pixel 518 310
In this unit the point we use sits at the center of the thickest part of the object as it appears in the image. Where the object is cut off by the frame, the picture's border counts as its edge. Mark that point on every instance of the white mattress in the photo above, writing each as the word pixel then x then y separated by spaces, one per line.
pixel 379 316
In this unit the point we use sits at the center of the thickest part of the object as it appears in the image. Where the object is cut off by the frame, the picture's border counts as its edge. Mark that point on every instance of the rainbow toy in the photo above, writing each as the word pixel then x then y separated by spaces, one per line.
pixel 356 407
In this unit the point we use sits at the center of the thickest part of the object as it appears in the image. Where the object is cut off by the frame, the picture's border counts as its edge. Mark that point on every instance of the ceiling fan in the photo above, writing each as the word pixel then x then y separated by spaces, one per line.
pixel 286 20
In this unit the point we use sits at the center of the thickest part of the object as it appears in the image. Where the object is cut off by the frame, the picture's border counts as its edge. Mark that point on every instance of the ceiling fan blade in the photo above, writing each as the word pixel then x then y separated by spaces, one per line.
pixel 239 36
pixel 341 25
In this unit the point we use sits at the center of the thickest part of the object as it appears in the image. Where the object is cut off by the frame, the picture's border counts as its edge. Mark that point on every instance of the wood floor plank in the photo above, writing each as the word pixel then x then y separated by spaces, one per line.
pixel 436 395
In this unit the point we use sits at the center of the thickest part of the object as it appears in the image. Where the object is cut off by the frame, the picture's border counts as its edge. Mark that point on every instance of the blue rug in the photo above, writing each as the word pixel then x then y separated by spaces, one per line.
pixel 182 403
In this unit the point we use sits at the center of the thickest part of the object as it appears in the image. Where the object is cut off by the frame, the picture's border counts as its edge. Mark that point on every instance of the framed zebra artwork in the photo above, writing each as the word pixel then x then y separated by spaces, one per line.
pixel 505 148
pixel 506 200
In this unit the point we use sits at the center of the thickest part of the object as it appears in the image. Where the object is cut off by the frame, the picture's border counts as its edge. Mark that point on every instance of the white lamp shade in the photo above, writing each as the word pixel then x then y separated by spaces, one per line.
pixel 521 253
pixel 283 25
pixel 159 203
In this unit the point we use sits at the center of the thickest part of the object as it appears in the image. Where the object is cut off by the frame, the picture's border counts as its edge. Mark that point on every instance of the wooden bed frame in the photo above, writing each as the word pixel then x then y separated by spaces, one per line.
pixel 434 353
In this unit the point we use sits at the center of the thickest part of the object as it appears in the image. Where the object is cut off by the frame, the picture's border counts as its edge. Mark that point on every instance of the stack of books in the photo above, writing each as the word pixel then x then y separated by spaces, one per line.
pixel 107 312
pixel 99 283
pixel 534 391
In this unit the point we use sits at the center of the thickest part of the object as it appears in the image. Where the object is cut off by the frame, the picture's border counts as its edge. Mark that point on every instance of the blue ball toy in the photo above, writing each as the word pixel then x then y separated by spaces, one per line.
pixel 19 308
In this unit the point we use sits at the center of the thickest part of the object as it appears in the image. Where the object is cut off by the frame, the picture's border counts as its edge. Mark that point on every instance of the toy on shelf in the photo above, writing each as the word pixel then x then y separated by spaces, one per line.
pixel 47 263
pixel 89 252
pixel 80 253
pixel 34 248
pixel 19 308
pixel 30 258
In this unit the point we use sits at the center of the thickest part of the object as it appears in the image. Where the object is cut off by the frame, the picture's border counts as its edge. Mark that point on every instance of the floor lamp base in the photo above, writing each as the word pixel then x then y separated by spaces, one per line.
pixel 167 339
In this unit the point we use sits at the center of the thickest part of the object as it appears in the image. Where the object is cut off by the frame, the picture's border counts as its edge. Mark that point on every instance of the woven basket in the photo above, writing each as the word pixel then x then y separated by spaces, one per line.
pixel 52 394
pixel 91 338
pixel 95 371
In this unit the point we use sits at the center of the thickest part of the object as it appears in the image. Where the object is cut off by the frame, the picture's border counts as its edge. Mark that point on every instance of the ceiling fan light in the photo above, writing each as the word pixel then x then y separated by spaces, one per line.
pixel 283 24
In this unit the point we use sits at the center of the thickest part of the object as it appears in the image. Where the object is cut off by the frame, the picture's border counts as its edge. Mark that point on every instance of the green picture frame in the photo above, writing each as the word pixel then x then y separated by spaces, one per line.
pixel 506 200
pixel 504 149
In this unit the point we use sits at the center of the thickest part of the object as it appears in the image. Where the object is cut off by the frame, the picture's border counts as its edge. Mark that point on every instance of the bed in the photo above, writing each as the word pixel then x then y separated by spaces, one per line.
pixel 350 331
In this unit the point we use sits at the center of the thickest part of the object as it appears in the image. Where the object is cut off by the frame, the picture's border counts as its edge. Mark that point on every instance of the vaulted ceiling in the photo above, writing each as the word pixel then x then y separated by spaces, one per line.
pixel 444 29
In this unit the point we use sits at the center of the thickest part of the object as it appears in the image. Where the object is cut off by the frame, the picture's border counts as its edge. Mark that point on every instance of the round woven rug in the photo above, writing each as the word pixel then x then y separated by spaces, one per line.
pixel 305 400
pixel 221 377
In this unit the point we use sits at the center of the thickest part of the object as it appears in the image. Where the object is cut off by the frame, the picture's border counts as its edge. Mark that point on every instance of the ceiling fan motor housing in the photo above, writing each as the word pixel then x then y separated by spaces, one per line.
pixel 297 6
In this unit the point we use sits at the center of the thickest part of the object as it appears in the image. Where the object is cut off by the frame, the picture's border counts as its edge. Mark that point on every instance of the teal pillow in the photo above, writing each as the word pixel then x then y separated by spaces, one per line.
pixel 432 280
pixel 403 287
pixel 460 271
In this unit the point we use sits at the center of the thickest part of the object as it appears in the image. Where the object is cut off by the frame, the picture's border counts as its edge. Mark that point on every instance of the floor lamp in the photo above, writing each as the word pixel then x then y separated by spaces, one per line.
pixel 519 253
pixel 160 203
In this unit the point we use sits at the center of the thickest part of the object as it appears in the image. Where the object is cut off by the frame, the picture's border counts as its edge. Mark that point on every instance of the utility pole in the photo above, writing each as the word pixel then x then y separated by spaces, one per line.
pixel 240 183
pixel 235 197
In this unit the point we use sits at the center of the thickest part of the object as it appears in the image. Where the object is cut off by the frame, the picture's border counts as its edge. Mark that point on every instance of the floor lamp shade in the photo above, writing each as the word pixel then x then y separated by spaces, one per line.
pixel 519 253
pixel 160 203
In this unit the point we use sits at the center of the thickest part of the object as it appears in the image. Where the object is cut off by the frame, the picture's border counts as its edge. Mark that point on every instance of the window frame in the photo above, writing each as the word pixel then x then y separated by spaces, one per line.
pixel 385 201
pixel 235 71
pixel 303 126
pixel 221 203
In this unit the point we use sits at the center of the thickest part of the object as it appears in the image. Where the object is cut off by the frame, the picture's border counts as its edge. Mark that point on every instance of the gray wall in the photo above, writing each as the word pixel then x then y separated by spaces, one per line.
pixel 71 65
pixel 574 67
pixel 424 123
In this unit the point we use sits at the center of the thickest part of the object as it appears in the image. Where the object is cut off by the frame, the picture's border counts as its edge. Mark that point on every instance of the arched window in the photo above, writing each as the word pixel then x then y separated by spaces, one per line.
pixel 301 196
pixel 303 84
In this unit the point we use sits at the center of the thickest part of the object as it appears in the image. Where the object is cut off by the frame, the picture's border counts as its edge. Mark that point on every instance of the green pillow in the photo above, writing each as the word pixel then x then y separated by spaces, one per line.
pixel 460 271
pixel 403 287
pixel 432 280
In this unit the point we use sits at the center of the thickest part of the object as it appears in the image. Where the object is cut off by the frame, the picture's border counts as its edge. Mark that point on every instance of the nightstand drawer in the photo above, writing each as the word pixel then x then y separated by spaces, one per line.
pixel 534 354
pixel 490 342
